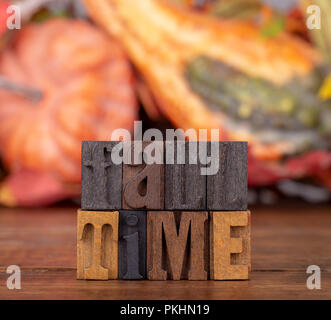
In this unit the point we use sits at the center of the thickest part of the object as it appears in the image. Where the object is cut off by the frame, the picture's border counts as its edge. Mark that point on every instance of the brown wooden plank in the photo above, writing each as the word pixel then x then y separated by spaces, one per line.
pixel 61 284
pixel 46 237
pixel 286 239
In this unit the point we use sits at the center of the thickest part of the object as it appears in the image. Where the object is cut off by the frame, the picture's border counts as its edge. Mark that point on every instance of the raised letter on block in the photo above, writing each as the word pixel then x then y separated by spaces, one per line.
pixel 97 245
pixel 185 187
pixel 177 245
pixel 132 245
pixel 101 178
pixel 227 190
pixel 143 184
pixel 230 245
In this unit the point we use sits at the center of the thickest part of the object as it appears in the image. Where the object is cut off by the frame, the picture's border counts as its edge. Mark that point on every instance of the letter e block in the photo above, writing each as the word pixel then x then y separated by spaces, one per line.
pixel 230 245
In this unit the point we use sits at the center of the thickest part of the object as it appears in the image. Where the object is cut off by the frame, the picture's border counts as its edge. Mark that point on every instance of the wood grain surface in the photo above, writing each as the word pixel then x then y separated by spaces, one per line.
pixel 177 245
pixel 285 241
pixel 97 245
pixel 230 245
pixel 132 245
pixel 227 190
pixel 185 187
pixel 101 178
pixel 143 184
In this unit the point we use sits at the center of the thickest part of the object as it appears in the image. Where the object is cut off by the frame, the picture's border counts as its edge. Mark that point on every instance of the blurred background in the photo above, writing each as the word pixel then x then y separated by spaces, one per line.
pixel 77 70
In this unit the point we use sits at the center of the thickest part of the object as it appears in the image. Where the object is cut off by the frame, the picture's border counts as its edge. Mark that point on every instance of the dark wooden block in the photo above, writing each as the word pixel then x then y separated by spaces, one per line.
pixel 143 184
pixel 185 187
pixel 227 190
pixel 132 245
pixel 101 178
pixel 177 245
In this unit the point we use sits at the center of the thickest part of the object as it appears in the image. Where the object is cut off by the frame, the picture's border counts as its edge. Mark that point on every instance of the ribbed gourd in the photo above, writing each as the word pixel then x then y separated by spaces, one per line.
pixel 292 111
pixel 265 86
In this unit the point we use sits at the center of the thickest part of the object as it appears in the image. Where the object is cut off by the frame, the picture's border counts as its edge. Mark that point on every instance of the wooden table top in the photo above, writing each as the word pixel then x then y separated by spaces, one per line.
pixel 285 241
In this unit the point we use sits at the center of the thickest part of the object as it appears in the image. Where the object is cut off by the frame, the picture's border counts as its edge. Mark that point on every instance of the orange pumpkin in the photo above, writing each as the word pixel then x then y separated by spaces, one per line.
pixel 87 92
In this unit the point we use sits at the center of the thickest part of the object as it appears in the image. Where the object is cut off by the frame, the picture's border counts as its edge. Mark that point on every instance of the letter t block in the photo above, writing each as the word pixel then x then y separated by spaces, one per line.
pixel 97 245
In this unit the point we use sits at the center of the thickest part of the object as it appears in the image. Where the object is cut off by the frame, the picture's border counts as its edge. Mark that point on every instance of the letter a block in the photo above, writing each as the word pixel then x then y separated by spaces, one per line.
pixel 97 245
pixel 143 184
pixel 177 245
pixel 230 245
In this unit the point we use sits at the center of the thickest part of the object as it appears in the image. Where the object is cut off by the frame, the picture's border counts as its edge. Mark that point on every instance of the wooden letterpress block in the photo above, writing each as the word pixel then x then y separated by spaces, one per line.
pixel 143 184
pixel 177 245
pixel 185 187
pixel 230 245
pixel 97 245
pixel 132 245
pixel 101 178
pixel 227 190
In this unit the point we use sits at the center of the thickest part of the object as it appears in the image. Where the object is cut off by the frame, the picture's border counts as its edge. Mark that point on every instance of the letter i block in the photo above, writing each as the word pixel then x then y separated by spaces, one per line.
pixel 177 245
pixel 230 245
pixel 132 245
pixel 97 245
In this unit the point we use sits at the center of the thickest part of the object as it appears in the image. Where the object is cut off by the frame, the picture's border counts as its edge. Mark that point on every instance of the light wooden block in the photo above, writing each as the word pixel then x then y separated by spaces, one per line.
pixel 230 245
pixel 97 245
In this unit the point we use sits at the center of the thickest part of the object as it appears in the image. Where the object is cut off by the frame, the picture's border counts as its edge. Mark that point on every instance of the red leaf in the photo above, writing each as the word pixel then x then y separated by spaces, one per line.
pixel 314 164
pixel 310 164
pixel 3 16
pixel 30 188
